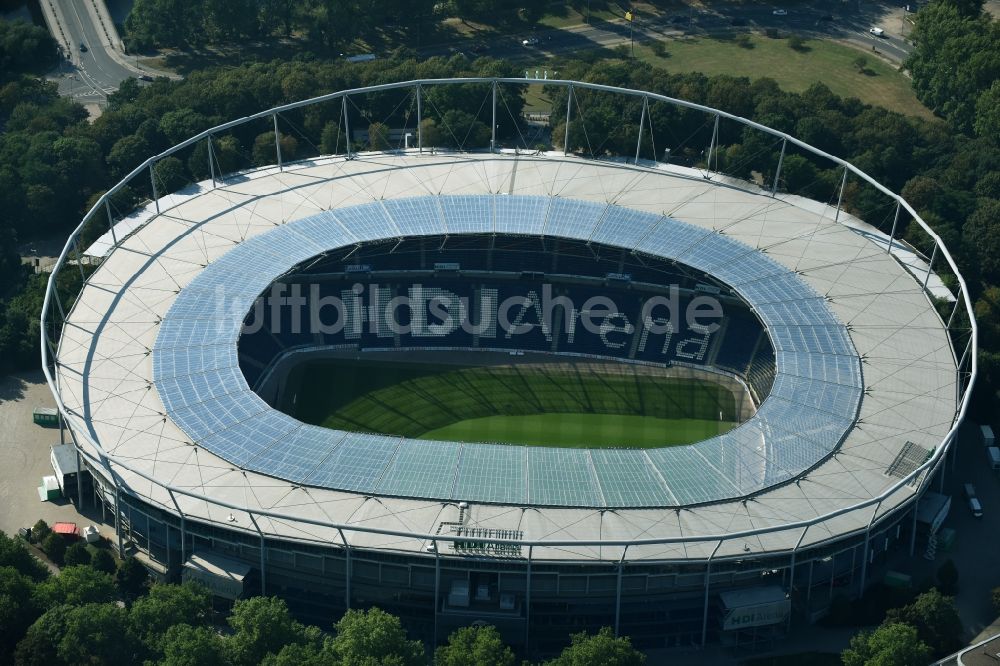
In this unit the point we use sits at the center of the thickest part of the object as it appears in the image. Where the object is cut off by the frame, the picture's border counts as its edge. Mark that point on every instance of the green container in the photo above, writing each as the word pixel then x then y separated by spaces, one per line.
pixel 46 416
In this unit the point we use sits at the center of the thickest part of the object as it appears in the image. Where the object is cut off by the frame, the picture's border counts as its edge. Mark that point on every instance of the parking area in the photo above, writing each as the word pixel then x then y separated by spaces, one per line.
pixel 24 455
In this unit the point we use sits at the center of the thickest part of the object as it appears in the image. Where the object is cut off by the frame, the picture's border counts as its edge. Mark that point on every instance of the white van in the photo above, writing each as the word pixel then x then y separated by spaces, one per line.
pixel 878 32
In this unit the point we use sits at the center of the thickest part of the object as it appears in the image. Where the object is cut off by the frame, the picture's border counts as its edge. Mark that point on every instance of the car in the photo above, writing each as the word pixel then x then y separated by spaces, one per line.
pixel 530 41
pixel 83 47
pixel 975 507
pixel 878 32
pixel 145 77
pixel 780 12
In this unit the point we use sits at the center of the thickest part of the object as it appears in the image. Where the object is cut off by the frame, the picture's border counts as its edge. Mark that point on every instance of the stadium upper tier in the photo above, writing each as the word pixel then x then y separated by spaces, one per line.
pixel 148 362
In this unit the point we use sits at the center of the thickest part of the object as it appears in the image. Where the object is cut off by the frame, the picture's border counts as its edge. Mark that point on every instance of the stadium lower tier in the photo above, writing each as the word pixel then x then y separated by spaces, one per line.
pixel 426 294
pixel 535 602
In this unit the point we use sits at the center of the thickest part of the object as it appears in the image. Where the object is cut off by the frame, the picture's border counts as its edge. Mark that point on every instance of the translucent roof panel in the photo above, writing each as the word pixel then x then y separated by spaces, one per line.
pixel 627 479
pixel 562 477
pixel 416 216
pixel 494 471
pixel 572 218
pixel 624 227
pixel 368 222
pixel 814 399
pixel 468 213
pixel 521 215
pixel 421 468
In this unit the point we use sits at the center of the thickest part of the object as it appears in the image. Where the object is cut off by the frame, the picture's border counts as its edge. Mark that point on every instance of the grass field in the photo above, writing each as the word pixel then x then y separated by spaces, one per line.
pixel 605 404
pixel 822 61
pixel 589 430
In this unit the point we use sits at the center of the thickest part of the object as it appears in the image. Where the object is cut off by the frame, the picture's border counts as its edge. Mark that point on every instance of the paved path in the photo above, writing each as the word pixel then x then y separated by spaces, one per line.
pixel 24 458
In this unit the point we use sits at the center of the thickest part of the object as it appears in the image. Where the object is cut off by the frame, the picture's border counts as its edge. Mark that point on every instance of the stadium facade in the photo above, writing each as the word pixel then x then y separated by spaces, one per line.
pixel 858 357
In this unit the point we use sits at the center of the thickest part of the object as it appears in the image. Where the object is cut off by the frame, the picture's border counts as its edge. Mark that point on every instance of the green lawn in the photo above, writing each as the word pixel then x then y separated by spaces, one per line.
pixel 823 61
pixel 577 430
pixel 611 404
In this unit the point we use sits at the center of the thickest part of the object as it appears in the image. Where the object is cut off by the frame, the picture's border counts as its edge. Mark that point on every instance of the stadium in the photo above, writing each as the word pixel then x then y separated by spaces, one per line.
pixel 546 390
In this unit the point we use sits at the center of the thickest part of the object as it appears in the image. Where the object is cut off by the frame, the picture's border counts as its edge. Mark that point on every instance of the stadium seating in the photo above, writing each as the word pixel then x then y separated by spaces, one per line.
pixel 520 272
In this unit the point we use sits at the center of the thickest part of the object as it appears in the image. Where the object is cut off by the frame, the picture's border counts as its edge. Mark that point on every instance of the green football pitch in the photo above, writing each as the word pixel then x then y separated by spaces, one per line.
pixel 561 404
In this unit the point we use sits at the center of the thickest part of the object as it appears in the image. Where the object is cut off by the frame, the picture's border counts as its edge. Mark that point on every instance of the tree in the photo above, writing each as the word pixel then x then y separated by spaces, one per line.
pixel 264 153
pixel 432 135
pixel 987 123
pixel 104 561
pixel 982 233
pixel 297 654
pixel 131 578
pixel 956 59
pixel 166 605
pixel 170 175
pixel 378 136
pixel 890 645
pixel 261 626
pixel 14 554
pixel 797 43
pixel 39 531
pixel 54 546
pixel 995 598
pixel 98 634
pixel 77 554
pixel 332 140
pixel 601 649
pixel 40 644
pixel 474 646
pixel 935 618
pixel 374 637
pixel 184 645
pixel 17 609
pixel 24 47
pixel 76 585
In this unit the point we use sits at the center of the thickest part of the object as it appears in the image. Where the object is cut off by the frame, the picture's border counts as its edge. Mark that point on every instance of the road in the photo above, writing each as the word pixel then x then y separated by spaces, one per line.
pixel 845 23
pixel 90 72
pixel 90 75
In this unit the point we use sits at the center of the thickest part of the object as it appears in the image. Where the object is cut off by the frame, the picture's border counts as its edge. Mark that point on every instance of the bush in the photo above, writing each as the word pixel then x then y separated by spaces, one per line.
pixel 39 531
pixel 104 561
pixel 743 41
pixel 77 554
pixel 54 546
pixel 659 49
pixel 131 578
pixel 796 43
pixel 773 33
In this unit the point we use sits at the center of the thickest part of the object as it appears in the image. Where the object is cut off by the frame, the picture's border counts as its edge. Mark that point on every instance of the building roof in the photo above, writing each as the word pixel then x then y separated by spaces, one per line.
pixel 107 357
